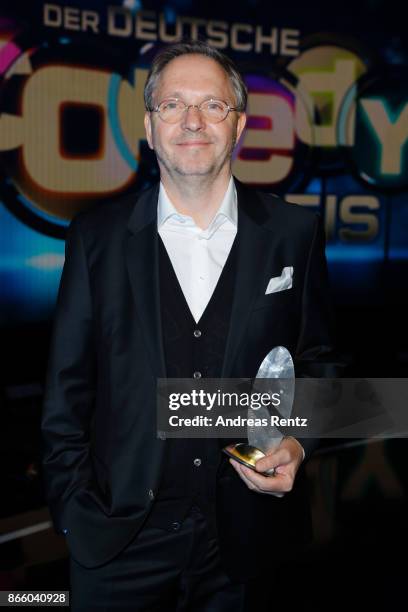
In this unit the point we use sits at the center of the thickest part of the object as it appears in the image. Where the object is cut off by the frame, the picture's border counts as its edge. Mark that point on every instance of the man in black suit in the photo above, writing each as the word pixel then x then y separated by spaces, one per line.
pixel 173 284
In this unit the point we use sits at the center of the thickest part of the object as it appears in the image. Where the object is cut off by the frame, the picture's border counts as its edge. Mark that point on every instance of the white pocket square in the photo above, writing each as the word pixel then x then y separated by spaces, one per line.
pixel 279 283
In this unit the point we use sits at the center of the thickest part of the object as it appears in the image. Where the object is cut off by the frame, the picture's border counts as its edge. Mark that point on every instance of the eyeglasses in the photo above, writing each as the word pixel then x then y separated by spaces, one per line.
pixel 172 109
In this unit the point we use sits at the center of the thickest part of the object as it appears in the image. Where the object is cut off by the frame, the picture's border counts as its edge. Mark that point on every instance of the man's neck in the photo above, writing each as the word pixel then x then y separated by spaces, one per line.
pixel 197 197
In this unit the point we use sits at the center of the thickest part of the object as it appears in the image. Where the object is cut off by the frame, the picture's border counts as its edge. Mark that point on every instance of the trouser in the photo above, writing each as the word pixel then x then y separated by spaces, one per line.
pixel 160 570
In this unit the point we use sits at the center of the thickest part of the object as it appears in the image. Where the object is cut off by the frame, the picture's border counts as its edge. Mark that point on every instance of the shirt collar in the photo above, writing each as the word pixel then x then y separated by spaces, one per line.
pixel 227 210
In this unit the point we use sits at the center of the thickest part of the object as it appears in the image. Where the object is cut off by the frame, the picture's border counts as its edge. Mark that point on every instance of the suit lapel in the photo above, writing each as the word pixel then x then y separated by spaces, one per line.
pixel 253 245
pixel 143 268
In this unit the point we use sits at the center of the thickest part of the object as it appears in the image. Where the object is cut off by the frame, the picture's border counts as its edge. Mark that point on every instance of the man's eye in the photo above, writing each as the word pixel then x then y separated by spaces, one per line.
pixel 172 105
pixel 214 106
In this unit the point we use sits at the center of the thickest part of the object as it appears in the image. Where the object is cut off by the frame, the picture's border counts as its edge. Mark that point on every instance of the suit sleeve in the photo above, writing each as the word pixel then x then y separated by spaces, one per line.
pixel 315 356
pixel 70 385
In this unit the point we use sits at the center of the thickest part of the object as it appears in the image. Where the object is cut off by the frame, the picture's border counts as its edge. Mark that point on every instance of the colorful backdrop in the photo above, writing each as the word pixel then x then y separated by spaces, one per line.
pixel 327 129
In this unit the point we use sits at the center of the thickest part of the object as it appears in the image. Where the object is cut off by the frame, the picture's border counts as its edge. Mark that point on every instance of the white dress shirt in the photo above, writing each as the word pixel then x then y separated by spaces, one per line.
pixel 198 255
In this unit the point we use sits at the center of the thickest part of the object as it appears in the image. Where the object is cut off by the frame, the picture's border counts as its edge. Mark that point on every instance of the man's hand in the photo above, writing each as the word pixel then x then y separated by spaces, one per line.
pixel 286 460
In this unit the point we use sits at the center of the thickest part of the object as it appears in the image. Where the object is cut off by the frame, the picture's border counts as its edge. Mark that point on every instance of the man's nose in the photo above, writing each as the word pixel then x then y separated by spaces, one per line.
pixel 192 119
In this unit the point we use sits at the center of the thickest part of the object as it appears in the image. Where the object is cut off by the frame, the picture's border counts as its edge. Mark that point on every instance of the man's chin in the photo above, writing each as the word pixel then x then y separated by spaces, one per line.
pixel 189 171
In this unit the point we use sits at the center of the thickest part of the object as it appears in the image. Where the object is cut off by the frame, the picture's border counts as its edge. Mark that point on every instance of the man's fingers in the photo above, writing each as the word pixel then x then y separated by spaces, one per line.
pixel 256 482
pixel 289 450
pixel 277 484
pixel 283 462
pixel 281 456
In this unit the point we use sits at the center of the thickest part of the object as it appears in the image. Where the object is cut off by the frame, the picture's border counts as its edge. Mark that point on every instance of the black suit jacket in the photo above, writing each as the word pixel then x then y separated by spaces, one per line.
pixel 102 457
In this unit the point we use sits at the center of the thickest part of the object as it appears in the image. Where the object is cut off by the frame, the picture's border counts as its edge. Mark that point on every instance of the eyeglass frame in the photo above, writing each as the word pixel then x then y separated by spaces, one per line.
pixel 197 106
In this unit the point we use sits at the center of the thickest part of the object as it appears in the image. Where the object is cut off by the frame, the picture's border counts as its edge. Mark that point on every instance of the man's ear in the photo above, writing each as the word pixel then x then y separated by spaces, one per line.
pixel 240 125
pixel 148 129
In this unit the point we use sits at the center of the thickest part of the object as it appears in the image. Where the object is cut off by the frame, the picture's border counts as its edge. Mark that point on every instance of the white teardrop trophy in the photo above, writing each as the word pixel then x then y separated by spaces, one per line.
pixel 278 363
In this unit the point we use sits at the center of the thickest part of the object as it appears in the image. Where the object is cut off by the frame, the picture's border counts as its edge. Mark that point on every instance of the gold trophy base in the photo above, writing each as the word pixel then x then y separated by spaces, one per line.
pixel 247 455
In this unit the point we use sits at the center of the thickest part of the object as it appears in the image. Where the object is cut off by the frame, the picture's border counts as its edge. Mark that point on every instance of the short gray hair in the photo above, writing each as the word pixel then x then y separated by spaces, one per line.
pixel 194 47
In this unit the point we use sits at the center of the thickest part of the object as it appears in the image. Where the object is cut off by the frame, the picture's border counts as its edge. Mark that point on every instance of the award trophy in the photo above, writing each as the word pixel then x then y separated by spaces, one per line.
pixel 278 363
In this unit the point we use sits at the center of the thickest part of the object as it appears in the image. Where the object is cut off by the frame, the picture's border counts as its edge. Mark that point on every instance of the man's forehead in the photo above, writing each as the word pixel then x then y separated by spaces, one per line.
pixel 179 93
pixel 191 73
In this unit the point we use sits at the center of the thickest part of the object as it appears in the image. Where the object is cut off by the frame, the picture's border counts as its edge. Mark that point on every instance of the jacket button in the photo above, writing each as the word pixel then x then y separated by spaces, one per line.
pixel 150 494
pixel 175 526
pixel 197 462
pixel 197 333
pixel 197 375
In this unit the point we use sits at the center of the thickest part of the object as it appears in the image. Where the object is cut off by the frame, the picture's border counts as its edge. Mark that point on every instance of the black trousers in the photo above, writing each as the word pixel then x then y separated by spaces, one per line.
pixel 160 570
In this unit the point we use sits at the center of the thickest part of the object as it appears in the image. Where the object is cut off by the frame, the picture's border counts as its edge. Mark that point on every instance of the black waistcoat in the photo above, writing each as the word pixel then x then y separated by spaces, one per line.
pixel 190 465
